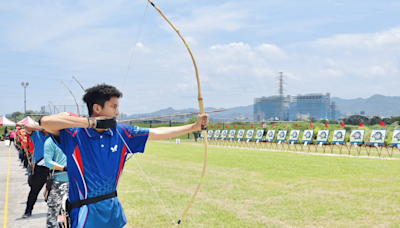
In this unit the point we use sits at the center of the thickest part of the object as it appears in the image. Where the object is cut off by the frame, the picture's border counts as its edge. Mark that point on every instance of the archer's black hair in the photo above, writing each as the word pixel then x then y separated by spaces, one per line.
pixel 99 94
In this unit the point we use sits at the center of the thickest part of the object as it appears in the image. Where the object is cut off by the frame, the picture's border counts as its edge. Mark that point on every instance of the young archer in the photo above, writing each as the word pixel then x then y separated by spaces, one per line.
pixel 96 154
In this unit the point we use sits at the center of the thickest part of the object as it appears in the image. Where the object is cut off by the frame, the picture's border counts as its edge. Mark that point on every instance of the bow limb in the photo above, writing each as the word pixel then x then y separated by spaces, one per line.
pixel 77 106
pixel 55 107
pixel 79 84
pixel 201 106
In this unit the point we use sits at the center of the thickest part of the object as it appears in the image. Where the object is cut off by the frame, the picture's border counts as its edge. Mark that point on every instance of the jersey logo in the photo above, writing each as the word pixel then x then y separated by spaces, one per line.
pixel 114 149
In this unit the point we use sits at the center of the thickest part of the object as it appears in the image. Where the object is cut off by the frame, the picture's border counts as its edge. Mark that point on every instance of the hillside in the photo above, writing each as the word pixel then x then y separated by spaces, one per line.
pixel 376 105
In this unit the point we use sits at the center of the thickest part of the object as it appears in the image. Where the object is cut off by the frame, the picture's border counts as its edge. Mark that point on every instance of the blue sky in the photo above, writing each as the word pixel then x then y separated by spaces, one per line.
pixel 350 49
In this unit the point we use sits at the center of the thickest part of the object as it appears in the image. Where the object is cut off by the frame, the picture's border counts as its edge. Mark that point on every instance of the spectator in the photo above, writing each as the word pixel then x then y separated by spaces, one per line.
pixel 55 160
pixel 12 136
pixel 40 171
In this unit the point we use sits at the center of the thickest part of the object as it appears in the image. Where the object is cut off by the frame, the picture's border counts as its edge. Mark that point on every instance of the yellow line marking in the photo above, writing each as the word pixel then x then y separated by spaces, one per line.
pixel 8 183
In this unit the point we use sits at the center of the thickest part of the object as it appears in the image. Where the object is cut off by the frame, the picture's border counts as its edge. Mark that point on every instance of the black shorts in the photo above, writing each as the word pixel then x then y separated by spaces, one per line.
pixel 11 139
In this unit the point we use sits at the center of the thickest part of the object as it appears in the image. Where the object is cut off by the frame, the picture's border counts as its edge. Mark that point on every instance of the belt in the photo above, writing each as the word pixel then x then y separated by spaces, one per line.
pixel 80 203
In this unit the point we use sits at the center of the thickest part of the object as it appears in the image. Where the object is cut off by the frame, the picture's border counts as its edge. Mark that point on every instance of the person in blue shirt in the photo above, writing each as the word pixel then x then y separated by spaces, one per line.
pixel 56 161
pixel 96 150
pixel 40 171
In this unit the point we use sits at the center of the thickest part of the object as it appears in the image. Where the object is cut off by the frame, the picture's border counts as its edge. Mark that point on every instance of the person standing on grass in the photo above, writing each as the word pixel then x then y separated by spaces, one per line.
pixel 12 136
pixel 97 149
pixel 55 160
pixel 40 171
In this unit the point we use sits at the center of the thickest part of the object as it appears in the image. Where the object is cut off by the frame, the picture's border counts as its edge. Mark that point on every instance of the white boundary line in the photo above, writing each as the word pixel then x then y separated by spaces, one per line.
pixel 295 152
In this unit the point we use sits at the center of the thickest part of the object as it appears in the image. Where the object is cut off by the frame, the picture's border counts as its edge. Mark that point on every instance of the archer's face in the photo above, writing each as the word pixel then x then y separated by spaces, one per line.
pixel 110 108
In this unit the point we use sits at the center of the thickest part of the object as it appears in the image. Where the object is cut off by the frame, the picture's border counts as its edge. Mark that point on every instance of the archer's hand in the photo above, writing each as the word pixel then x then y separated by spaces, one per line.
pixel 102 122
pixel 202 122
pixel 29 128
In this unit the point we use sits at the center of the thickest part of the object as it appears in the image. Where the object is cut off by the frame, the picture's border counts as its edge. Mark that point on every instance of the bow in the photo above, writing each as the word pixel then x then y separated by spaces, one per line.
pixel 77 106
pixel 201 106
pixel 55 108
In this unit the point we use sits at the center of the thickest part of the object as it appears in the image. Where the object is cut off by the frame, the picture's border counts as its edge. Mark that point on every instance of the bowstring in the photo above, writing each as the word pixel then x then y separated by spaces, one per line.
pixel 144 174
pixel 131 153
pixel 134 47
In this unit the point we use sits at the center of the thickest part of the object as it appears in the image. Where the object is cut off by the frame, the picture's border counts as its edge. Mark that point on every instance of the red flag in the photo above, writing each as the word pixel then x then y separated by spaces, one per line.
pixel 242 126
pixel 297 125
pixel 273 125
pixel 311 126
pixel 361 124
pixel 326 125
pixel 219 126
pixel 342 124
pixel 234 125
pixel 383 124
pixel 284 125
pixel 252 126
pixel 212 126
pixel 226 125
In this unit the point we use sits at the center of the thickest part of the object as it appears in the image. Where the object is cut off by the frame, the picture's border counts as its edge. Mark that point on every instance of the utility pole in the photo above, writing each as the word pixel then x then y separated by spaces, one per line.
pixel 26 84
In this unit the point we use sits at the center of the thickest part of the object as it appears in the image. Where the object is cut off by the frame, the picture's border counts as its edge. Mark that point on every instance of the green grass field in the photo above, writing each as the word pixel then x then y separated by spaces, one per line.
pixel 253 188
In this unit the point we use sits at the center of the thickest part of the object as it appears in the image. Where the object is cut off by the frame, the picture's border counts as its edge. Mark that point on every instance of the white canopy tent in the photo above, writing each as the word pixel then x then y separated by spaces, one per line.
pixel 6 122
pixel 27 120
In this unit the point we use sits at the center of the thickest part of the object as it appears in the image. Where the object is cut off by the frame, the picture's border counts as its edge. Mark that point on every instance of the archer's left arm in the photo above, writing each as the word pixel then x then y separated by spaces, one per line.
pixel 29 128
pixel 171 132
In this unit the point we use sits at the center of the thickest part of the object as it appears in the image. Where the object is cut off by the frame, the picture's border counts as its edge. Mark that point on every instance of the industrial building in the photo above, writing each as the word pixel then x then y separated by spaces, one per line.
pixel 316 105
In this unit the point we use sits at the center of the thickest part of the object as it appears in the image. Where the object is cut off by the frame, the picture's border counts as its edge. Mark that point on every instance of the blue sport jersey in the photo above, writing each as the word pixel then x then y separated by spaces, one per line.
pixel 95 163
pixel 38 139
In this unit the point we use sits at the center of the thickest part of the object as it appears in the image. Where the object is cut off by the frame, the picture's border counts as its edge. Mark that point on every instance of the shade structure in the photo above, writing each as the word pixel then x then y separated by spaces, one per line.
pixel 6 122
pixel 27 120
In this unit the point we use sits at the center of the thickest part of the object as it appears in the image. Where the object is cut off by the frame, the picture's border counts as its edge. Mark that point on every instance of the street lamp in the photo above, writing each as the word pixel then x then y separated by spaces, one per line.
pixel 26 84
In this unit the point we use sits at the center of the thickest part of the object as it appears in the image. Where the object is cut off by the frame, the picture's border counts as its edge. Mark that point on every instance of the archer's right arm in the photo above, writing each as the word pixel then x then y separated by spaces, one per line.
pixel 54 123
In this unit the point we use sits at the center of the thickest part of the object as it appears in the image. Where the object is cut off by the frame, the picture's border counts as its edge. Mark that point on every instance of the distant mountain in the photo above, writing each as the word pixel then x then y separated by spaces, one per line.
pixel 232 113
pixel 376 105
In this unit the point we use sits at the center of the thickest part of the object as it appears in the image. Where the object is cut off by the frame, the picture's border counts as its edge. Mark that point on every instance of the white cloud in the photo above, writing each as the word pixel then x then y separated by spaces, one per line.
pixel 225 17
pixel 261 72
pixel 39 24
pixel 141 48
pixel 335 73
pixel 271 51
pixel 385 40
pixel 366 72
pixel 329 61
pixel 190 40
pixel 232 46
